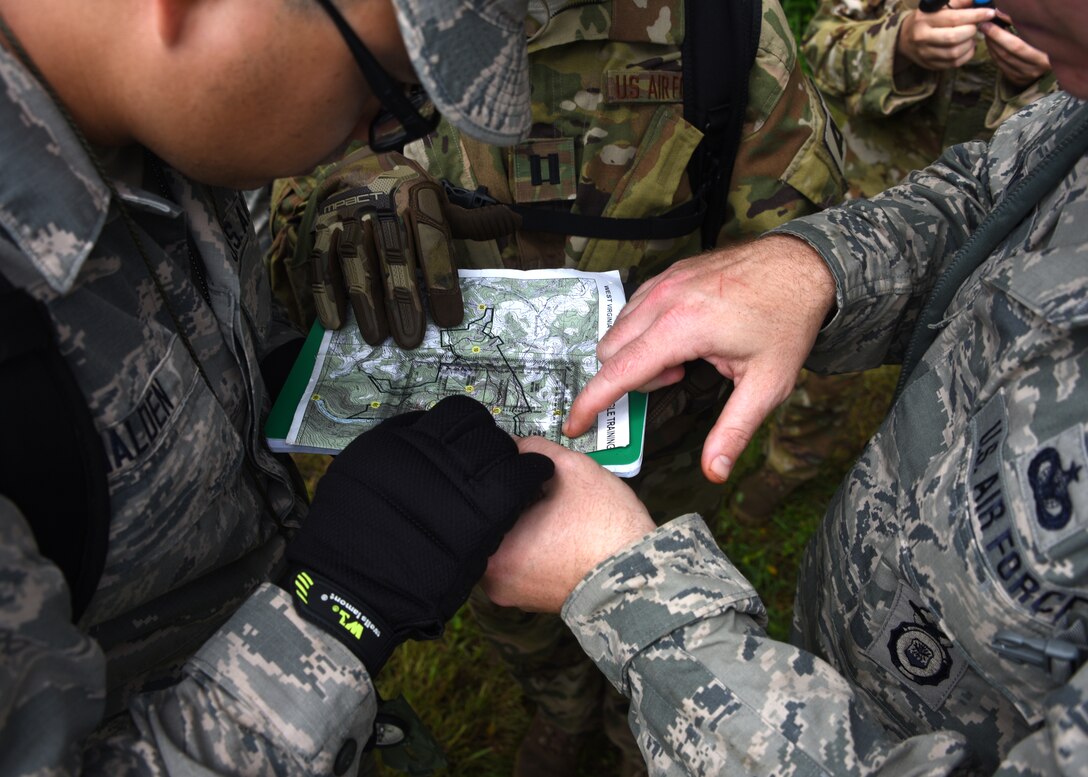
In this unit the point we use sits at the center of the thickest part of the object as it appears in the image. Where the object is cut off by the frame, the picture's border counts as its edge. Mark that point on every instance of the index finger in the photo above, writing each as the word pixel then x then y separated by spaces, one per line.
pixel 1014 45
pixel 635 365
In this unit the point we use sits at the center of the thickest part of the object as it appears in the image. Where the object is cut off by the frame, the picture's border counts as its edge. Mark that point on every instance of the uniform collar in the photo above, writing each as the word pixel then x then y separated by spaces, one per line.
pixel 53 204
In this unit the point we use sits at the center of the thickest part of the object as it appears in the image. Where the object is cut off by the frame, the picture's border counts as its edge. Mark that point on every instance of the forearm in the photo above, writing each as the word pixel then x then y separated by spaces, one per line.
pixel 624 605
pixel 268 689
pixel 886 253
pixel 283 694
pixel 677 629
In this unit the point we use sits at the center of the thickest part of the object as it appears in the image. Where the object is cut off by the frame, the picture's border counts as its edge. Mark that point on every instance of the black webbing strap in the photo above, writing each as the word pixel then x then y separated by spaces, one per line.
pixel 680 221
pixel 53 464
pixel 720 42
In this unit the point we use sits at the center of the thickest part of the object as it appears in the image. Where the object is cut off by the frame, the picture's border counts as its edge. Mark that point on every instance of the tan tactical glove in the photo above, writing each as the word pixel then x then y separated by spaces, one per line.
pixel 378 221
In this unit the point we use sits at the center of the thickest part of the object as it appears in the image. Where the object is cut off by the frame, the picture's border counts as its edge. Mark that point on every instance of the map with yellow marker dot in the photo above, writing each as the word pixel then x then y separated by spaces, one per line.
pixel 525 349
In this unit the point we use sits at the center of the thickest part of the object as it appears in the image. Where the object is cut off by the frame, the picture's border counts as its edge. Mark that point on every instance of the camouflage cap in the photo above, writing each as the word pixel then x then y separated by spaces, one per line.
pixel 470 56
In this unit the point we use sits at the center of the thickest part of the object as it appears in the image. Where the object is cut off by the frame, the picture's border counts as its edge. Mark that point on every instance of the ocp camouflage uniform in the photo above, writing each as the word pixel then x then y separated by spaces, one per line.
pixel 608 129
pixel 964 521
pixel 896 123
pixel 184 661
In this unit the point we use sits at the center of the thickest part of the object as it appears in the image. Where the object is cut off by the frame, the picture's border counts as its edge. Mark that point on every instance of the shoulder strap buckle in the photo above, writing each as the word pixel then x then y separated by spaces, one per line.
pixel 1058 657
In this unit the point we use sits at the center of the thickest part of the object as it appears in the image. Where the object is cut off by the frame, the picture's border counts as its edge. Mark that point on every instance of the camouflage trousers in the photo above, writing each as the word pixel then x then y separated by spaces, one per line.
pixel 539 650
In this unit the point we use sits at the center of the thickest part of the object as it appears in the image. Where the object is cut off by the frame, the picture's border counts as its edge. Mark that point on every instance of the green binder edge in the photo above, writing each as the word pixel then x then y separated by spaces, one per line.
pixel 283 411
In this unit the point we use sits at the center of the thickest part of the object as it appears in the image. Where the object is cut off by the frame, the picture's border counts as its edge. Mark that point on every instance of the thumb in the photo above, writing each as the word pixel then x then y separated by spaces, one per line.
pixel 745 410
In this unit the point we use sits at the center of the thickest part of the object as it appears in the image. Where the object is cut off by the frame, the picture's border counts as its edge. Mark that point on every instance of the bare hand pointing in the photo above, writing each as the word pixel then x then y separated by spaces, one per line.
pixel 753 312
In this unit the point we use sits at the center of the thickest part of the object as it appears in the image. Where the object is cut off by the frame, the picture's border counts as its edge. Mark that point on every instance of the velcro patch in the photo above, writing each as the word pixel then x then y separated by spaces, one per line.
pixel 543 170
pixel 1054 484
pixel 643 86
pixel 912 647
pixel 994 505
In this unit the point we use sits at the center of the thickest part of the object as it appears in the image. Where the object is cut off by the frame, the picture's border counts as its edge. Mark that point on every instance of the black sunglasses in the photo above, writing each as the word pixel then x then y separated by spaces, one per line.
pixel 405 115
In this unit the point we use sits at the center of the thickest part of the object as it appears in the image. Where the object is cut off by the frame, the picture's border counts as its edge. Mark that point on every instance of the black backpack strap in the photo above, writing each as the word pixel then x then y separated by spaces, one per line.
pixel 681 220
pixel 54 466
pixel 721 38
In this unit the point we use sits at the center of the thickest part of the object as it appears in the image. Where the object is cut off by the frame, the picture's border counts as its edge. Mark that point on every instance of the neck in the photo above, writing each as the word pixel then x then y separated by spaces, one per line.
pixel 53 39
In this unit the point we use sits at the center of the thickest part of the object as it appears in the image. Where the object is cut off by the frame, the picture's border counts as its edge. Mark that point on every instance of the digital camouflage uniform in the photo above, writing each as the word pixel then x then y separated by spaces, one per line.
pixel 893 124
pixel 608 129
pixel 184 660
pixel 966 516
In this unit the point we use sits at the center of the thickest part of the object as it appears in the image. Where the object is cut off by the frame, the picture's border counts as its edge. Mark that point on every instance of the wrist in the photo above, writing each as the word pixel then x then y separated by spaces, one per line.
pixel 805 272
pixel 1009 87
pixel 912 63
pixel 342 615
pixel 904 53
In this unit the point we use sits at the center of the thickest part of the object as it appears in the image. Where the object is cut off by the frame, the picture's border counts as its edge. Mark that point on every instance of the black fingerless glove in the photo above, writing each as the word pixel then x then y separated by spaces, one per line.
pixel 403 523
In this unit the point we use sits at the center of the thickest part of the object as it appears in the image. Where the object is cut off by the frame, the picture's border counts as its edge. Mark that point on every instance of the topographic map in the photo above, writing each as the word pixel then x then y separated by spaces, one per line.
pixel 525 349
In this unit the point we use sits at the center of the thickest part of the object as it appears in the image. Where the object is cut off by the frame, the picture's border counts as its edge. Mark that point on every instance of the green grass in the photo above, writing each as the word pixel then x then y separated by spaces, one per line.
pixel 798 12
pixel 460 689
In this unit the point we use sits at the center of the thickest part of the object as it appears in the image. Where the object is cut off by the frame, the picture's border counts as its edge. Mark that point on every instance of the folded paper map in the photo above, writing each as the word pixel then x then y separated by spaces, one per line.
pixel 526 347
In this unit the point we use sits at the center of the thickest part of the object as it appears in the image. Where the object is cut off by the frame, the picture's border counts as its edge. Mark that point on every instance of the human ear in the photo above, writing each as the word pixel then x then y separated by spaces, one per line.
pixel 170 16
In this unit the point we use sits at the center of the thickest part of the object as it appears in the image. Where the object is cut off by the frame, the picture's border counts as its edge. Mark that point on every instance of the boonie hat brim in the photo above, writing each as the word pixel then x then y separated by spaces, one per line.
pixel 471 57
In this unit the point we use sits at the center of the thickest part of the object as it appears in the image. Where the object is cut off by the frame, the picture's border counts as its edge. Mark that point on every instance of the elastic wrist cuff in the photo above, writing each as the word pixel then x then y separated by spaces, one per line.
pixel 323 602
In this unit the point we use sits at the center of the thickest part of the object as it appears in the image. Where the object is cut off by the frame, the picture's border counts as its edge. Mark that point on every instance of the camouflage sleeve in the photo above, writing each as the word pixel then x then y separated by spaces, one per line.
pixel 52 677
pixel 850 46
pixel 676 628
pixel 269 693
pixel 280 690
pixel 789 160
pixel 887 252
pixel 1009 99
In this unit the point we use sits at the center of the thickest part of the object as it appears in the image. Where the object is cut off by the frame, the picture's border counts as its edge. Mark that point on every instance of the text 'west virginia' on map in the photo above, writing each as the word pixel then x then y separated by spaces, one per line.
pixel 527 346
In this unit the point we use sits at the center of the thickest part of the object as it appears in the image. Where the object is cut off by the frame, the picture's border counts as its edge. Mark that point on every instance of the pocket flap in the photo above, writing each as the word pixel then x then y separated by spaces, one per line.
pixel 1051 283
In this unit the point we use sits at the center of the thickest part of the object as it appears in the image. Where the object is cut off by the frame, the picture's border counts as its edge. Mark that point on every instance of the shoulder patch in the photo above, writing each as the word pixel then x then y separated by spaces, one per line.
pixel 1003 539
pixel 1054 482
